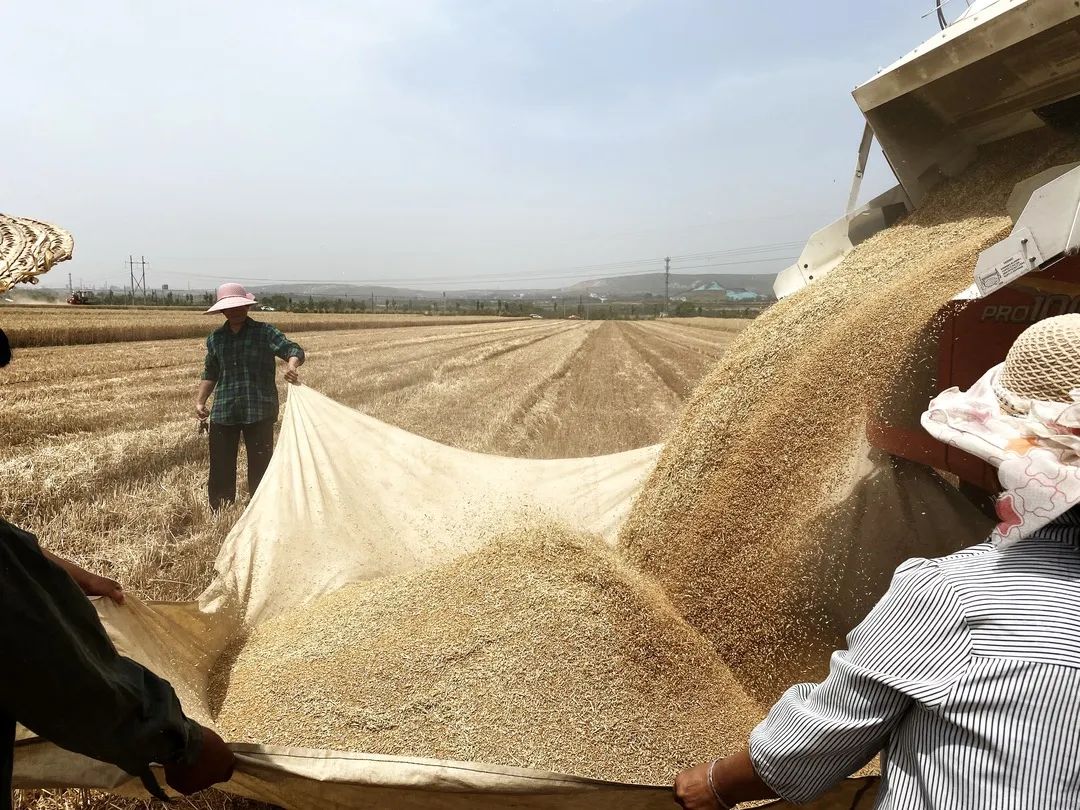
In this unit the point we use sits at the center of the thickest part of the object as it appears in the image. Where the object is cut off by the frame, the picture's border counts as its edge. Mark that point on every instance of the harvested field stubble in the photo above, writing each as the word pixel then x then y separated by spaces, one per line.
pixel 541 650
pixel 100 458
pixel 729 520
pixel 731 325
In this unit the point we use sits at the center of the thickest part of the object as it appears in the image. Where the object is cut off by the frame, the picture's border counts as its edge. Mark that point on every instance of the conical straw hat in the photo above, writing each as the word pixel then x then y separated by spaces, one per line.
pixel 29 248
pixel 1043 364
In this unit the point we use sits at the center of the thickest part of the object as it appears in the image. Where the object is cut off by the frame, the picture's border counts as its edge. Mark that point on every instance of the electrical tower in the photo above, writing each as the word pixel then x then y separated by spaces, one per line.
pixel 667 283
pixel 138 282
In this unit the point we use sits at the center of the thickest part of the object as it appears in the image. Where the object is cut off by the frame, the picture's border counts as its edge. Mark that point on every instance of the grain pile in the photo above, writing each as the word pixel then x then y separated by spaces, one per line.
pixel 542 650
pixel 731 522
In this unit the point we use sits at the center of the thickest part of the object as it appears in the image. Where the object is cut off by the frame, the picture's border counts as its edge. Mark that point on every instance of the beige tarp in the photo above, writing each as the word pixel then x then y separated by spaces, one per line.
pixel 347 498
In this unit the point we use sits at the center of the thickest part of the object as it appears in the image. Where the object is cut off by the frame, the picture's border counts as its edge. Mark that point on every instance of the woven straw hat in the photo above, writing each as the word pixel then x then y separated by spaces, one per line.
pixel 29 248
pixel 1043 364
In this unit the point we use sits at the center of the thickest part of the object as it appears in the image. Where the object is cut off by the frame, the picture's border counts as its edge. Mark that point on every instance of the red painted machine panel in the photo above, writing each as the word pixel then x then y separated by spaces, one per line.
pixel 973 337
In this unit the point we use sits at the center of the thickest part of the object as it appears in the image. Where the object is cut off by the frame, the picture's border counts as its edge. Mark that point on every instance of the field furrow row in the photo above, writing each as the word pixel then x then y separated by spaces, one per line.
pixel 99 453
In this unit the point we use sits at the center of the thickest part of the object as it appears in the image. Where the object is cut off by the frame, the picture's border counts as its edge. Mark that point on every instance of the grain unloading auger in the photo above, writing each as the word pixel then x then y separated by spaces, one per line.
pixel 1004 67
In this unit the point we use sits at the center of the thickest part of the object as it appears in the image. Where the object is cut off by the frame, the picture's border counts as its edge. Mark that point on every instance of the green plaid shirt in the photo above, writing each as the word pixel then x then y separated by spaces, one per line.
pixel 242 365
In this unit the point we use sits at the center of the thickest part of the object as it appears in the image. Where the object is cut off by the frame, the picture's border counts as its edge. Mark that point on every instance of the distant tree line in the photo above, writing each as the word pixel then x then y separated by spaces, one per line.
pixel 557 307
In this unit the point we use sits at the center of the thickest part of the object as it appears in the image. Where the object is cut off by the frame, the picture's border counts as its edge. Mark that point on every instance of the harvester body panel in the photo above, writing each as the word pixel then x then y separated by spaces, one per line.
pixel 982 79
pixel 968 338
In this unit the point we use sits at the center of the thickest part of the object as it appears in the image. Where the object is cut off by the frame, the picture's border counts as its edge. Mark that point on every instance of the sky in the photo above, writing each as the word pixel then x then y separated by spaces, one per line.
pixel 438 144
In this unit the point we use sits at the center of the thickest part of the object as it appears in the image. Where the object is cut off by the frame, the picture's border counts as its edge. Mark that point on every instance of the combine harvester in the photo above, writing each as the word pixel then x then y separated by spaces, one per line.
pixel 1002 68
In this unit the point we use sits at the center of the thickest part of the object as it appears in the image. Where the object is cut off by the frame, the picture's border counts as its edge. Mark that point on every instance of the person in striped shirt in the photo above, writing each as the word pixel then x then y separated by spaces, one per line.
pixel 965 677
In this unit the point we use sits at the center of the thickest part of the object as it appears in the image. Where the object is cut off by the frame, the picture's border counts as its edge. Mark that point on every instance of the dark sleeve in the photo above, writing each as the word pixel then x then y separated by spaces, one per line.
pixel 212 366
pixel 7 759
pixel 63 679
pixel 282 346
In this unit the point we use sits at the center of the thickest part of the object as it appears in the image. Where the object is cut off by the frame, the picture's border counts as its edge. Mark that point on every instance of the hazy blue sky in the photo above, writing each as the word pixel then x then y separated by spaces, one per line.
pixel 417 141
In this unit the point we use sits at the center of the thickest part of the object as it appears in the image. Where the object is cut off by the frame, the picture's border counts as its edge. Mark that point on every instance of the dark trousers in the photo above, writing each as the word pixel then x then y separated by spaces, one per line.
pixel 224 445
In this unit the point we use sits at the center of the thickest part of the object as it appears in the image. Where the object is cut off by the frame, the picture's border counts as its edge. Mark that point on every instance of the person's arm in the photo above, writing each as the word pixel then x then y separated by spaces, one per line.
pixel 206 388
pixel 211 374
pixel 287 350
pixel 733 778
pixel 63 679
pixel 90 583
pixel 913 645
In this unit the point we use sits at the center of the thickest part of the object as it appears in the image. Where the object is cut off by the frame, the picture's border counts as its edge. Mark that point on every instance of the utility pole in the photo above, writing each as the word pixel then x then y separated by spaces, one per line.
pixel 137 283
pixel 667 283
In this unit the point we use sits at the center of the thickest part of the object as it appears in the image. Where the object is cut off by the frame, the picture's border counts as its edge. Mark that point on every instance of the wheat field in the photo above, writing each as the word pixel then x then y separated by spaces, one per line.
pixel 64 325
pixel 100 457
pixel 731 325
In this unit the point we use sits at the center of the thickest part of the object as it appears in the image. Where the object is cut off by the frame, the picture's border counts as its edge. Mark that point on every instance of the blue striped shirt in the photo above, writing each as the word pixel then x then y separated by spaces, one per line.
pixel 965 676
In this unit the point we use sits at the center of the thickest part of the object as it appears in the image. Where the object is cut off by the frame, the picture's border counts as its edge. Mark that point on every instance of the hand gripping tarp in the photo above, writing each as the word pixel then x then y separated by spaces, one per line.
pixel 349 498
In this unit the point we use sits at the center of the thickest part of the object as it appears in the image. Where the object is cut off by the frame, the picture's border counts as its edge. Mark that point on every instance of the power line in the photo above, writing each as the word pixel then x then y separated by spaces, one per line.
pixel 751 253
pixel 739 264
pixel 517 278
pixel 743 250
pixel 651 259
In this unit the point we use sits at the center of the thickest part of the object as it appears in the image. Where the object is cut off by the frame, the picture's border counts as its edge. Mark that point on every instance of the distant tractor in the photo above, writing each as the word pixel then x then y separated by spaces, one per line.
pixel 81 297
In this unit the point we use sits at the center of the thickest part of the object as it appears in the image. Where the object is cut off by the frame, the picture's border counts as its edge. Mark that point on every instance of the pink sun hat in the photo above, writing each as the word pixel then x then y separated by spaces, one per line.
pixel 231 295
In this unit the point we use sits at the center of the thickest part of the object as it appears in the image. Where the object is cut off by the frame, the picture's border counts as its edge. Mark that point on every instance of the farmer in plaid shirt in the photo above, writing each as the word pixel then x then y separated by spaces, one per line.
pixel 240 368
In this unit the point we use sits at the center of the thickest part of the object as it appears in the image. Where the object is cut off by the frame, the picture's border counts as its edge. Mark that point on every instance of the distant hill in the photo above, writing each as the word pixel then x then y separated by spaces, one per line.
pixel 681 284
pixel 343 291
pixel 708 286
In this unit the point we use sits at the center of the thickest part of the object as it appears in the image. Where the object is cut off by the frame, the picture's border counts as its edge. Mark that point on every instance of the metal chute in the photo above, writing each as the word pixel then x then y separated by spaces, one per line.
pixel 1003 68
pixel 827 247
pixel 1046 229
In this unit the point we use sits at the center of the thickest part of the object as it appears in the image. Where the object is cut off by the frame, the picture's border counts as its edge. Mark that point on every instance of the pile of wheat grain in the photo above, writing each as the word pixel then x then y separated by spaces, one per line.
pixel 542 650
pixel 731 520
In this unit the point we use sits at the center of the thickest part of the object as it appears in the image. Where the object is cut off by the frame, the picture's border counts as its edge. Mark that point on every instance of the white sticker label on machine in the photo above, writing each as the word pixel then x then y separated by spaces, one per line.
pixel 1003 263
pixel 1003 272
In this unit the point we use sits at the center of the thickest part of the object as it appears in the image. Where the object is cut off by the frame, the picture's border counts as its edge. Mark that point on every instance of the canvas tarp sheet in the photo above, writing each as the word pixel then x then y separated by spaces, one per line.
pixel 349 498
